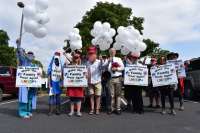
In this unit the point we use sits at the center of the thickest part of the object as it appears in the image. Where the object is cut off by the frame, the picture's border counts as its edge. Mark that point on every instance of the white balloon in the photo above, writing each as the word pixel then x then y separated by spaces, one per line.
pixel 112 32
pixel 124 34
pixel 106 35
pixel 97 25
pixel 29 11
pixel 30 25
pixel 72 46
pixel 71 34
pixel 77 44
pixel 130 28
pixel 92 33
pixel 94 41
pixel 129 44
pixel 75 30
pixel 140 38
pixel 41 5
pixel 104 46
pixel 142 46
pixel 106 26
pixel 40 33
pixel 117 46
pixel 120 29
pixel 42 18
pixel 125 51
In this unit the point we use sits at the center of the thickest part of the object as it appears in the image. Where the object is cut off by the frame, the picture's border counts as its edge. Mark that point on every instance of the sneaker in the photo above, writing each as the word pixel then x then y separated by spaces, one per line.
pixel 97 112
pixel 30 114
pixel 25 117
pixel 91 112
pixel 70 114
pixel 163 112
pixel 109 112
pixel 173 112
pixel 79 114
pixel 181 108
pixel 118 112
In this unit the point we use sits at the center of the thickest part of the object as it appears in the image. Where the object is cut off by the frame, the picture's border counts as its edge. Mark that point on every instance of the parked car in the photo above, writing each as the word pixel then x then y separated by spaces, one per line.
pixel 7 81
pixel 193 75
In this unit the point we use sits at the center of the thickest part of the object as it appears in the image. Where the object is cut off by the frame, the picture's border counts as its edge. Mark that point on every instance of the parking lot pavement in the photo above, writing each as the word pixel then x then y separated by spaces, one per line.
pixel 150 122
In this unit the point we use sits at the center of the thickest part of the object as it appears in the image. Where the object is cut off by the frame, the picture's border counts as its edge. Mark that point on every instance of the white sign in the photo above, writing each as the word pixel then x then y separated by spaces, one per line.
pixel 28 76
pixel 164 75
pixel 179 65
pixel 75 76
pixel 136 75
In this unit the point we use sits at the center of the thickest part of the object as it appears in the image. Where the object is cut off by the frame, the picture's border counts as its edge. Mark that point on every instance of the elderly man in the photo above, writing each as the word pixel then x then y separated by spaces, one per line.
pixel 94 80
pixel 115 67
pixel 135 92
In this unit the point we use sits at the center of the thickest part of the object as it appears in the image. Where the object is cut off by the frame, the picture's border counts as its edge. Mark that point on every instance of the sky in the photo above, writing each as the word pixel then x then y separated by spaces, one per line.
pixel 174 24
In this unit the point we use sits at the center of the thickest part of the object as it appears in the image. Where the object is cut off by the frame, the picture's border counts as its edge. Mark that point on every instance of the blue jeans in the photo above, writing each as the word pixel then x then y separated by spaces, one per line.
pixel 54 99
pixel 25 109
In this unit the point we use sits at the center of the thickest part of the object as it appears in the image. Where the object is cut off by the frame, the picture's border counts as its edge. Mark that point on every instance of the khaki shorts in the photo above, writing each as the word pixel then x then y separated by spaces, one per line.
pixel 95 89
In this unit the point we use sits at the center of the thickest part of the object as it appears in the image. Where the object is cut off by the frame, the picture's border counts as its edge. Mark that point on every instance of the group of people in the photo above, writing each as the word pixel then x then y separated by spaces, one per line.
pixel 105 75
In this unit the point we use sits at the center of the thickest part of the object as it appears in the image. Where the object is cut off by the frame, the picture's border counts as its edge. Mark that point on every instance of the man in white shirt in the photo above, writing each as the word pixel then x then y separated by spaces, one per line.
pixel 94 79
pixel 115 67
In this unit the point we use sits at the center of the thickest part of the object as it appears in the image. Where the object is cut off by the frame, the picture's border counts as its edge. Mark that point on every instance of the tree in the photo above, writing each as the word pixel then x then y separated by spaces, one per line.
pixel 151 47
pixel 4 38
pixel 116 15
pixel 38 63
pixel 158 52
pixel 7 56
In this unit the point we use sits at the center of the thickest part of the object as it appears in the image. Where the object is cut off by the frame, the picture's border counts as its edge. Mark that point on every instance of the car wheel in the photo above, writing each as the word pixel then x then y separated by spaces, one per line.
pixel 1 94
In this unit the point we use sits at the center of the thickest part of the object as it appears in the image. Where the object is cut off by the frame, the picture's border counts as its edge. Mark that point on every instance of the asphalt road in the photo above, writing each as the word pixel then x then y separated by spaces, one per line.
pixel 150 122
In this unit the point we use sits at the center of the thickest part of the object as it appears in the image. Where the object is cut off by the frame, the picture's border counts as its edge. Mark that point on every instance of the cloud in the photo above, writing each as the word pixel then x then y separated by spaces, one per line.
pixel 166 22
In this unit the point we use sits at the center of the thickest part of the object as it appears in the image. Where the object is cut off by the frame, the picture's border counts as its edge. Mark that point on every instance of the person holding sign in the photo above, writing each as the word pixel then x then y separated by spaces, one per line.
pixel 133 92
pixel 167 90
pixel 115 67
pixel 54 80
pixel 75 94
pixel 174 56
pixel 27 96
pixel 94 79
pixel 153 91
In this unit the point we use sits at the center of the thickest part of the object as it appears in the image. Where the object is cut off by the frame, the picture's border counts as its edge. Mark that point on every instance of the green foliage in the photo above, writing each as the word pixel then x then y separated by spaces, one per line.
pixel 158 53
pixel 115 14
pixel 151 46
pixel 38 63
pixel 4 38
pixel 7 56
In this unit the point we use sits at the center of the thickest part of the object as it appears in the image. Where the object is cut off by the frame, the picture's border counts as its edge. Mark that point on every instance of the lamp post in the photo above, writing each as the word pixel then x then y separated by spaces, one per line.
pixel 21 5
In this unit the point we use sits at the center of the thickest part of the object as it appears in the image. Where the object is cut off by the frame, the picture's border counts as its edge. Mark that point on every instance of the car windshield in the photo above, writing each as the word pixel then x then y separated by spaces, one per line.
pixel 4 71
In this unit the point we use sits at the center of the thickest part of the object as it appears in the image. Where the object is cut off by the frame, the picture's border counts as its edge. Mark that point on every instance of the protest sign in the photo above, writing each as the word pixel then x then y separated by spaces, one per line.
pixel 179 65
pixel 163 75
pixel 75 76
pixel 136 75
pixel 28 76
